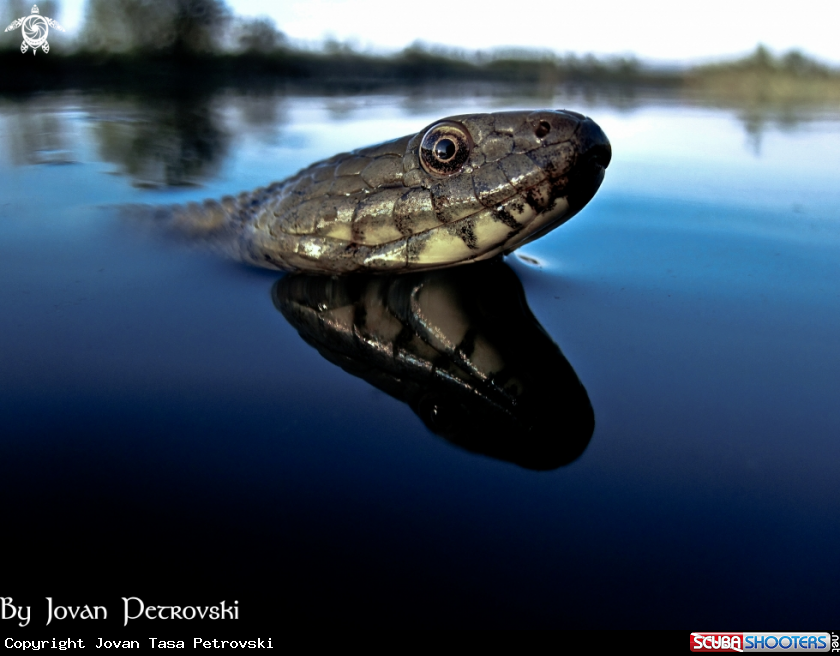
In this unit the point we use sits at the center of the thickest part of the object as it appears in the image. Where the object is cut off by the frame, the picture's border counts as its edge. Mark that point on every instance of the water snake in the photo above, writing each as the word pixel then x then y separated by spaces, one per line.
pixel 464 189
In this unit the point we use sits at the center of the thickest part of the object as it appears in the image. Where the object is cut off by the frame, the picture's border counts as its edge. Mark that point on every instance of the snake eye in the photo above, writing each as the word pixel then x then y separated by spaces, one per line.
pixel 445 148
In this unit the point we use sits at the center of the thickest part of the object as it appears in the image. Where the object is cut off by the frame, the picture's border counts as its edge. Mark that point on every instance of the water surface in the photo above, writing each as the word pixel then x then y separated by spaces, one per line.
pixel 166 432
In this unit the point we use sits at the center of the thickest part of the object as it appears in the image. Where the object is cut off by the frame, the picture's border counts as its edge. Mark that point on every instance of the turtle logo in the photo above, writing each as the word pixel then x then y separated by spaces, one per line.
pixel 35 29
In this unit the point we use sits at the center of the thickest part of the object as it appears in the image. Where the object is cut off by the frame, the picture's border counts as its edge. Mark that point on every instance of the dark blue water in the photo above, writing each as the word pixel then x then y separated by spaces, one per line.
pixel 167 433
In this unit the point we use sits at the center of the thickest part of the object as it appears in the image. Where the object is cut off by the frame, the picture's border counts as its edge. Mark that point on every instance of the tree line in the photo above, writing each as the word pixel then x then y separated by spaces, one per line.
pixel 159 27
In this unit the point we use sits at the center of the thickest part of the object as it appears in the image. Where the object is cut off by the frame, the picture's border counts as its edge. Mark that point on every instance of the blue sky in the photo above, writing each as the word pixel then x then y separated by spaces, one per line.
pixel 657 30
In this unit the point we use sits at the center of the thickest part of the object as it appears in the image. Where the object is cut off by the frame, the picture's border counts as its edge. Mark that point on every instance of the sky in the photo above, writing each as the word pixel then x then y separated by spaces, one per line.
pixel 663 31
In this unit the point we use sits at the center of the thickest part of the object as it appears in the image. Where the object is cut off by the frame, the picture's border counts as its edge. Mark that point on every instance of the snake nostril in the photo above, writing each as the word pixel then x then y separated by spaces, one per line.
pixel 542 129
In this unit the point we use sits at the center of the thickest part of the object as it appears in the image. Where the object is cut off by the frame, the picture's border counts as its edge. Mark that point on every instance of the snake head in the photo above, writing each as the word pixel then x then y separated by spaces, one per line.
pixel 464 189
pixel 486 184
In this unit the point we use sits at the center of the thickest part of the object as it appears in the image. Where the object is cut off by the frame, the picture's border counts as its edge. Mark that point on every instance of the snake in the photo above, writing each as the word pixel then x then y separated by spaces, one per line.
pixel 464 189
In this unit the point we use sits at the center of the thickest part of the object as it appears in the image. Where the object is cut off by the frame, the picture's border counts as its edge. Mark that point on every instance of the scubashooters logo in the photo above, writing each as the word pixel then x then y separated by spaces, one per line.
pixel 783 642
pixel 35 30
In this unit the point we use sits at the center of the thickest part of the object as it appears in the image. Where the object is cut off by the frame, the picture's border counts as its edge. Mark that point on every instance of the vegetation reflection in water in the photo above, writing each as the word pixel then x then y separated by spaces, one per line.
pixel 460 347
pixel 185 141
pixel 173 142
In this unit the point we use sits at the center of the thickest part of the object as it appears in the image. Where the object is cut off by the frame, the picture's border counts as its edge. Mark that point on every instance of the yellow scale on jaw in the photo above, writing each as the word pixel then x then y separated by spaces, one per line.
pixel 466 188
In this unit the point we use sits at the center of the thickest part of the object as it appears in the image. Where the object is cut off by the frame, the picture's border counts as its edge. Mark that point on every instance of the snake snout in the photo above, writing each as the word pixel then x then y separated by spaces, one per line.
pixel 594 157
pixel 597 157
pixel 595 147
pixel 556 126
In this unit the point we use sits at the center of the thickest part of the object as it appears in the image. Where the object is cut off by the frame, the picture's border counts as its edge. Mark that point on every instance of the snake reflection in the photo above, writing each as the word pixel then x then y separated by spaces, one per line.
pixel 460 347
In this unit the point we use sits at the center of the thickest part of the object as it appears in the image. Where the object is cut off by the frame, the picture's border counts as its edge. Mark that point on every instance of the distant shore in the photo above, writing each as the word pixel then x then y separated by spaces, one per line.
pixel 757 78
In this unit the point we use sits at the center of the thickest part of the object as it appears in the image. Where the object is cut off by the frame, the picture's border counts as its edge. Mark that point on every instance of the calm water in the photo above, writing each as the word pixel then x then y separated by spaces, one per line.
pixel 167 433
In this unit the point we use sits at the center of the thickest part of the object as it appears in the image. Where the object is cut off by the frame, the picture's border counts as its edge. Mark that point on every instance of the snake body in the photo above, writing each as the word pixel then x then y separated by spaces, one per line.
pixel 464 189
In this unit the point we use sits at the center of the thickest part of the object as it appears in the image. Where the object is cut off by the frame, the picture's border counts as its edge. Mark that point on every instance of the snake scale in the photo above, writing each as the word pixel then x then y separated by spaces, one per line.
pixel 464 189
